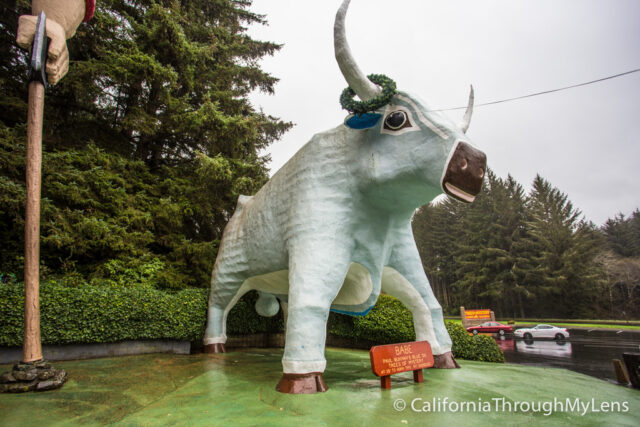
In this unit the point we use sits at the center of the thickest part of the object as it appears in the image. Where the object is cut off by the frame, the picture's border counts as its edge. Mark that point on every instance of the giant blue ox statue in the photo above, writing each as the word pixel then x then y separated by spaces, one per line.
pixel 332 228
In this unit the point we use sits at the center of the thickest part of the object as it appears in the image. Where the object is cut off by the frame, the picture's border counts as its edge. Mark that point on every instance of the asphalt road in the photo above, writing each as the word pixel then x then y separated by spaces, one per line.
pixel 588 351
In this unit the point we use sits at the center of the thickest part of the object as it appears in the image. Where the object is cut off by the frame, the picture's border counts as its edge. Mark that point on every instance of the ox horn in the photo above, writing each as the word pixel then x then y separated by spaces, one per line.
pixel 357 81
pixel 466 120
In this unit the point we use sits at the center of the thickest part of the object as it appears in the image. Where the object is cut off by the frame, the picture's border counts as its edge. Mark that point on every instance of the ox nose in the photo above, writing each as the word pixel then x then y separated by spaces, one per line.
pixel 465 172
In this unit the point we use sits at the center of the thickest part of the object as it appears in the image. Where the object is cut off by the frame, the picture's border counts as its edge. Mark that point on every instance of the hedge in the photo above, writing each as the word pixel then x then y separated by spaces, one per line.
pixel 243 319
pixel 98 314
pixel 92 314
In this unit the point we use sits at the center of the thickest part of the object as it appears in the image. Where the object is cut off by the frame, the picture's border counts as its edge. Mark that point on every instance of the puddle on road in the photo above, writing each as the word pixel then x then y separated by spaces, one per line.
pixel 587 351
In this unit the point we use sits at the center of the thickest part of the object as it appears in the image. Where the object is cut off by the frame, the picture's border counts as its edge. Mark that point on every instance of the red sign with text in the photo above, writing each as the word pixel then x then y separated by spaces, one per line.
pixel 395 358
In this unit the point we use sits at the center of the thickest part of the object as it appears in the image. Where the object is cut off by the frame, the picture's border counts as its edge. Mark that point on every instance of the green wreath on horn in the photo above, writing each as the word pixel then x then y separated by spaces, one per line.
pixel 360 107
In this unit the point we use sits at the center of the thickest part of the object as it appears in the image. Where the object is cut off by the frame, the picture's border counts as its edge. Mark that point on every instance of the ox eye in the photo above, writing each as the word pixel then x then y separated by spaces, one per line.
pixel 396 120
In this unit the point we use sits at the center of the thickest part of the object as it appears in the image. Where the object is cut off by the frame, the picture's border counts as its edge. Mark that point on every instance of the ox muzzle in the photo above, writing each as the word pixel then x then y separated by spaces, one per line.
pixel 464 174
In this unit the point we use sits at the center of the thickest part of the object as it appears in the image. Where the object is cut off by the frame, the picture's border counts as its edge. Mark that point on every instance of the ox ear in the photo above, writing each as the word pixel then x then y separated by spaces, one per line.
pixel 362 121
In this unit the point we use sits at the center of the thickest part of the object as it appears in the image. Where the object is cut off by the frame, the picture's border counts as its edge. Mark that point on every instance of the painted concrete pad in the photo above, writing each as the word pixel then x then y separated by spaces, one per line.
pixel 238 389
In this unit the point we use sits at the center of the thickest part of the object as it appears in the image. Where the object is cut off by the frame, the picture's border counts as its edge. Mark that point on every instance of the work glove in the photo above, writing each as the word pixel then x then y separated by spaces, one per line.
pixel 63 18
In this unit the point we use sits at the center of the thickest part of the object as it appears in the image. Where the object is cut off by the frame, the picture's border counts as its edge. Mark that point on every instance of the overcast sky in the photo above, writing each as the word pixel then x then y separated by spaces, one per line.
pixel 584 140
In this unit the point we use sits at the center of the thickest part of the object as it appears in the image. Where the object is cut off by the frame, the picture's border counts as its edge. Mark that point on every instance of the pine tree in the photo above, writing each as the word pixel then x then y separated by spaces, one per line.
pixel 13 69
pixel 488 252
pixel 435 227
pixel 621 263
pixel 511 262
pixel 623 234
pixel 635 232
pixel 474 246
pixel 565 276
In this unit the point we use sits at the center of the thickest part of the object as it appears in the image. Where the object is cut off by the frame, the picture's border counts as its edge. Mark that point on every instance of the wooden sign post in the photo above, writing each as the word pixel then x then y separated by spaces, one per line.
pixel 395 358
pixel 632 360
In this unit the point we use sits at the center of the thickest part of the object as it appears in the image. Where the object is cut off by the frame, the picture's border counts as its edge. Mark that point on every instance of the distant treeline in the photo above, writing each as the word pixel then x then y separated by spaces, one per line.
pixel 529 255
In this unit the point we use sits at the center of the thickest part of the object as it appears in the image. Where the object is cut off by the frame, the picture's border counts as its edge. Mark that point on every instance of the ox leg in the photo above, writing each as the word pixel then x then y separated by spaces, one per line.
pixel 407 281
pixel 315 277
pixel 223 296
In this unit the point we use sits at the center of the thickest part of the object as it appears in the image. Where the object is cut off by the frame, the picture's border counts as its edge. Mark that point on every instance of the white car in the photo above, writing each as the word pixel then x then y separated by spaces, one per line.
pixel 542 331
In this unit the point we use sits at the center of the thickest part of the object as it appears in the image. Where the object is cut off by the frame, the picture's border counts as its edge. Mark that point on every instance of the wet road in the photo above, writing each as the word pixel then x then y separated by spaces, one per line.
pixel 587 351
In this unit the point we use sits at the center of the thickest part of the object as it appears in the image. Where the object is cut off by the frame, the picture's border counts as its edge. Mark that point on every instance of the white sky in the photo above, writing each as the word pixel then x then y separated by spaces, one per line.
pixel 583 140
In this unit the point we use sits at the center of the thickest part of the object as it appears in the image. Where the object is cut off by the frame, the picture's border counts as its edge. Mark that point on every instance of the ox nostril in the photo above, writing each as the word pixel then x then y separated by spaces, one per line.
pixel 464 164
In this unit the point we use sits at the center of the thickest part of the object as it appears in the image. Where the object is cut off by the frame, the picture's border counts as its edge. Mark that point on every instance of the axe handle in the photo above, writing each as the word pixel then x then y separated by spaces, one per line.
pixel 32 347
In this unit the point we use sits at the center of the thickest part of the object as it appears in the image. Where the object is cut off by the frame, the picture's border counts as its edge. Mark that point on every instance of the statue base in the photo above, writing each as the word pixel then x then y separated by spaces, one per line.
pixel 32 376
pixel 215 348
pixel 310 383
pixel 445 361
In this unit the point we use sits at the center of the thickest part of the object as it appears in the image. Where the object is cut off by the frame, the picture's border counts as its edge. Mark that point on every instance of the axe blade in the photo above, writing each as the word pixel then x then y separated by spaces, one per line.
pixel 37 67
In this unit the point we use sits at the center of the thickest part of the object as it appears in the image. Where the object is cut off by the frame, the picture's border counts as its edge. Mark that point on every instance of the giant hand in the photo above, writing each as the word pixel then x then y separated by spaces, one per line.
pixel 63 17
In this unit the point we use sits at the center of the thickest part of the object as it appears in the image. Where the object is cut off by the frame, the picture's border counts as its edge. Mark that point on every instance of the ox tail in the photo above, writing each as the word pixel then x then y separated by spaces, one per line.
pixel 242 202
pixel 267 305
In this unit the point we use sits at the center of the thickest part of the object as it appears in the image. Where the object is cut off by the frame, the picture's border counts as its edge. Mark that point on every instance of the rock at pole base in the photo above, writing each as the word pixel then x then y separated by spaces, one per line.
pixel 32 376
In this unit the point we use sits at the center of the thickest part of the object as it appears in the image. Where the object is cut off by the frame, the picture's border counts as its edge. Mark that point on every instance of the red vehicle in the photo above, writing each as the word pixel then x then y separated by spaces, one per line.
pixel 491 327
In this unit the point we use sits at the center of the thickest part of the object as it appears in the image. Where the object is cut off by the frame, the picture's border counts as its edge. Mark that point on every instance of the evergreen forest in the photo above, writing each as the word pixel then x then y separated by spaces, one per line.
pixel 150 138
pixel 148 141
pixel 529 255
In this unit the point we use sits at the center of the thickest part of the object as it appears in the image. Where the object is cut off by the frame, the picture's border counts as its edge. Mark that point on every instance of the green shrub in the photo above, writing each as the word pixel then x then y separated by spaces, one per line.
pixel 138 272
pixel 91 314
pixel 388 322
pixel 474 347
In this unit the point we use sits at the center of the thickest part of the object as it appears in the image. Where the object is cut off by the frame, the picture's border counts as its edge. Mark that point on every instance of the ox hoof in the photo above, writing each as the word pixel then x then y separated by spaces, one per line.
pixel 214 348
pixel 445 361
pixel 302 383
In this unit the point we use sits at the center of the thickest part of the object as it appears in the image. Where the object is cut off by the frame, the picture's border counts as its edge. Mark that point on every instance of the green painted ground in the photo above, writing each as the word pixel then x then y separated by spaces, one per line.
pixel 239 389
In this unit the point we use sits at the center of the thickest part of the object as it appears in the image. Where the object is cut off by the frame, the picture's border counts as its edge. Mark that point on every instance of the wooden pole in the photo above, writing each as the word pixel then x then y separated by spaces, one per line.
pixel 32 346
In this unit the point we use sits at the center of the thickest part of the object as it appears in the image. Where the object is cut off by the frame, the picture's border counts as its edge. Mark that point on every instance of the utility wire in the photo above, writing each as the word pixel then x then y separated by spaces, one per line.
pixel 545 92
